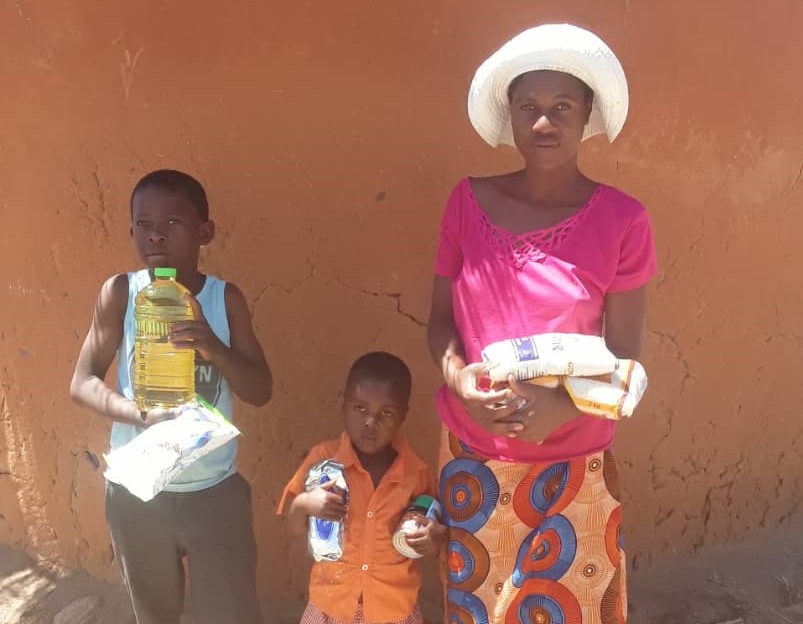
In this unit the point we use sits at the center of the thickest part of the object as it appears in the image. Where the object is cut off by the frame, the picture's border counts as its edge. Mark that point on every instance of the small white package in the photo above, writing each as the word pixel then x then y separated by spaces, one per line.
pixel 326 537
pixel 163 451
pixel 611 400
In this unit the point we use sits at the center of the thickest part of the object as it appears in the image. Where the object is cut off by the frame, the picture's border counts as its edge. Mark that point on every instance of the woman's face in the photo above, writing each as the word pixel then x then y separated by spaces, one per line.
pixel 549 111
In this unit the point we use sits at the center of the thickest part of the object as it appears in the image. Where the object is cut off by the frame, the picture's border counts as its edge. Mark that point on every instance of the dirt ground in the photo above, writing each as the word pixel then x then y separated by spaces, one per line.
pixel 757 582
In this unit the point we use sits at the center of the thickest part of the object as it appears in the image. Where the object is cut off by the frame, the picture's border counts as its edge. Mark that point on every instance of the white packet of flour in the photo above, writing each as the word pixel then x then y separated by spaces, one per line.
pixel 158 455
pixel 543 355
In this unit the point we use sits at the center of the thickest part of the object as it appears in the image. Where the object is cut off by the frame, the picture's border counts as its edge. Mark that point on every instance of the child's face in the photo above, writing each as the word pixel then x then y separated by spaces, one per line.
pixel 167 230
pixel 373 414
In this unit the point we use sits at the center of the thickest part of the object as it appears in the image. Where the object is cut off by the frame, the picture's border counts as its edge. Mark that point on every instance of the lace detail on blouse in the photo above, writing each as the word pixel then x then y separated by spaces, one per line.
pixel 518 249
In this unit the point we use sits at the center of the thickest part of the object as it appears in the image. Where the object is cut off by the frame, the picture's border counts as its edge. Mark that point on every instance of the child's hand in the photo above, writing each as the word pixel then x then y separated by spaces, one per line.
pixel 428 539
pixel 196 334
pixel 157 415
pixel 323 503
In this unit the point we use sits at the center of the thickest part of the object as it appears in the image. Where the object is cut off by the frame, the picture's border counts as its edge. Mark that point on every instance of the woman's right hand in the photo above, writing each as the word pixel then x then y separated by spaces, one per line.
pixel 321 502
pixel 496 411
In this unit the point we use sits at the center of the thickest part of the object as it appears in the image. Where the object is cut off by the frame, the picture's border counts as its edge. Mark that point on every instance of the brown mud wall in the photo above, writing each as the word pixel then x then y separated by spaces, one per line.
pixel 329 135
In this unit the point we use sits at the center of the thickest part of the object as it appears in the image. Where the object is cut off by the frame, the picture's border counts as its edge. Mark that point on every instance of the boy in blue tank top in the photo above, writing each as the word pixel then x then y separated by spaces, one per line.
pixel 205 515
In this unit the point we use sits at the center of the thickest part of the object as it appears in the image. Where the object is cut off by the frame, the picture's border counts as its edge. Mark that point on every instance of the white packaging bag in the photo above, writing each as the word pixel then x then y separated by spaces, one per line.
pixel 158 455
pixel 543 355
pixel 568 360
pixel 612 400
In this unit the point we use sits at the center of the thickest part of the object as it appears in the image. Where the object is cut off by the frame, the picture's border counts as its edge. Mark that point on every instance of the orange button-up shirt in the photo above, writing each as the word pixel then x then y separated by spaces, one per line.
pixel 370 567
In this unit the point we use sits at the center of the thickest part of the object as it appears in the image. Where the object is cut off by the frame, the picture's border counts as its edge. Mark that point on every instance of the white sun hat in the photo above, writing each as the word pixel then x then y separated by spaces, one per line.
pixel 557 47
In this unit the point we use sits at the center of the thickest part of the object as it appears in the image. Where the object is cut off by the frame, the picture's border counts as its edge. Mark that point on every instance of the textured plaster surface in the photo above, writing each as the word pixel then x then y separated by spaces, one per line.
pixel 328 136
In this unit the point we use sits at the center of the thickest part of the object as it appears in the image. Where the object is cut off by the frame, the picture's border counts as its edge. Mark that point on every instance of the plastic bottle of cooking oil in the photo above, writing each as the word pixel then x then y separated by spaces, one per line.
pixel 164 376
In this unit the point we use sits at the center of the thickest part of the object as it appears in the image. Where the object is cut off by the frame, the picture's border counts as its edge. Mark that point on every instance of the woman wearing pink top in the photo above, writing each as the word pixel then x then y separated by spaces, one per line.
pixel 529 485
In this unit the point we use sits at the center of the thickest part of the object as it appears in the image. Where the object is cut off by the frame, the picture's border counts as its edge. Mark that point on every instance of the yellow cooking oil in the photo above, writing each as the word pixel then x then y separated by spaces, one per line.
pixel 164 376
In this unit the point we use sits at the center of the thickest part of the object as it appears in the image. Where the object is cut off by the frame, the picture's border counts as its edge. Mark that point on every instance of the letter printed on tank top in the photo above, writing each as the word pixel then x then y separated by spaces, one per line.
pixel 207 380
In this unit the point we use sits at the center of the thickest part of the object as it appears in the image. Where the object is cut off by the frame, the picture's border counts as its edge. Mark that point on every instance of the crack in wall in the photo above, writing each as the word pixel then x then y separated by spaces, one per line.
pixel 656 484
pixel 286 289
pixel 716 496
pixel 796 181
pixel 396 297
pixel 687 375
pixel 101 201
pixel 798 340
pixel 663 515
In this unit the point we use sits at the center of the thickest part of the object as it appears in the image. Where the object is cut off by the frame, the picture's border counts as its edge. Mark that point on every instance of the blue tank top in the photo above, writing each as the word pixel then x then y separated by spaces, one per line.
pixel 209 383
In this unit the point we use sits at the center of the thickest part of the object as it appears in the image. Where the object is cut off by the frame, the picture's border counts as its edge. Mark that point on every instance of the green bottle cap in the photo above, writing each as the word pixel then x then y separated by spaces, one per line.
pixel 165 272
pixel 423 501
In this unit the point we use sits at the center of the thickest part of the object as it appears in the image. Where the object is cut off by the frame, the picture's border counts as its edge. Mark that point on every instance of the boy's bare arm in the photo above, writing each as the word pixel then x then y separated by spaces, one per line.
pixel 97 353
pixel 243 364
pixel 297 516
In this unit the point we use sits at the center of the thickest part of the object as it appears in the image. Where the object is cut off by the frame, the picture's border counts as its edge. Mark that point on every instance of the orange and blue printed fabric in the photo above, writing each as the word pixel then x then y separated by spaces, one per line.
pixel 532 543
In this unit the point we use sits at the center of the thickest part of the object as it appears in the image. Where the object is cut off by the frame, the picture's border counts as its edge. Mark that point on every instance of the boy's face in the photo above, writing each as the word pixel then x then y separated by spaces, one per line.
pixel 167 230
pixel 373 414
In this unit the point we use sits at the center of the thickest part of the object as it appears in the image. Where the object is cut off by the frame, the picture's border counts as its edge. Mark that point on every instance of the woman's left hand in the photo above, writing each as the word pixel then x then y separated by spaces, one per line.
pixel 526 397
pixel 540 409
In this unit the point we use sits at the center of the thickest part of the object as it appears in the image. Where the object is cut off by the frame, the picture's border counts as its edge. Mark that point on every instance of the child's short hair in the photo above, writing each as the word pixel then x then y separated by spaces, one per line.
pixel 382 366
pixel 176 182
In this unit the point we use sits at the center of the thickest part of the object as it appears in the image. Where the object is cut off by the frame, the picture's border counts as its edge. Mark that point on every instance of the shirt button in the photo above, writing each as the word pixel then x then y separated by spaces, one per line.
pixel 364 567
pixel 370 514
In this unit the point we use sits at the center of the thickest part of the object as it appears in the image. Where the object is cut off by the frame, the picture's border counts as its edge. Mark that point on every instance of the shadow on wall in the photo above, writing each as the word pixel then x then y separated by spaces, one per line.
pixel 327 209
pixel 51 492
pixel 20 482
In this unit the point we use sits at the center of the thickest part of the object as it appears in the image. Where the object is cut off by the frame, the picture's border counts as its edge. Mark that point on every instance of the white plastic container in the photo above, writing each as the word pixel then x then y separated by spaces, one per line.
pixel 422 508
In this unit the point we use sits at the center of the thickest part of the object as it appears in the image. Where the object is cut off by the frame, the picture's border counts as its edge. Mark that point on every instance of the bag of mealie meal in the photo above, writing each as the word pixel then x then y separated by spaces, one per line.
pixel 570 360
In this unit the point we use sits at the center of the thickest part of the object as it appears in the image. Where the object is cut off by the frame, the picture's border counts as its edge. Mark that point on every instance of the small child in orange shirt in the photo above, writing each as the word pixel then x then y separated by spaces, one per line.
pixel 371 582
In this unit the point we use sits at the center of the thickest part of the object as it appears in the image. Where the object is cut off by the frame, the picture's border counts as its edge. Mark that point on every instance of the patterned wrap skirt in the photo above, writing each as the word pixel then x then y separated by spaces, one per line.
pixel 531 543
